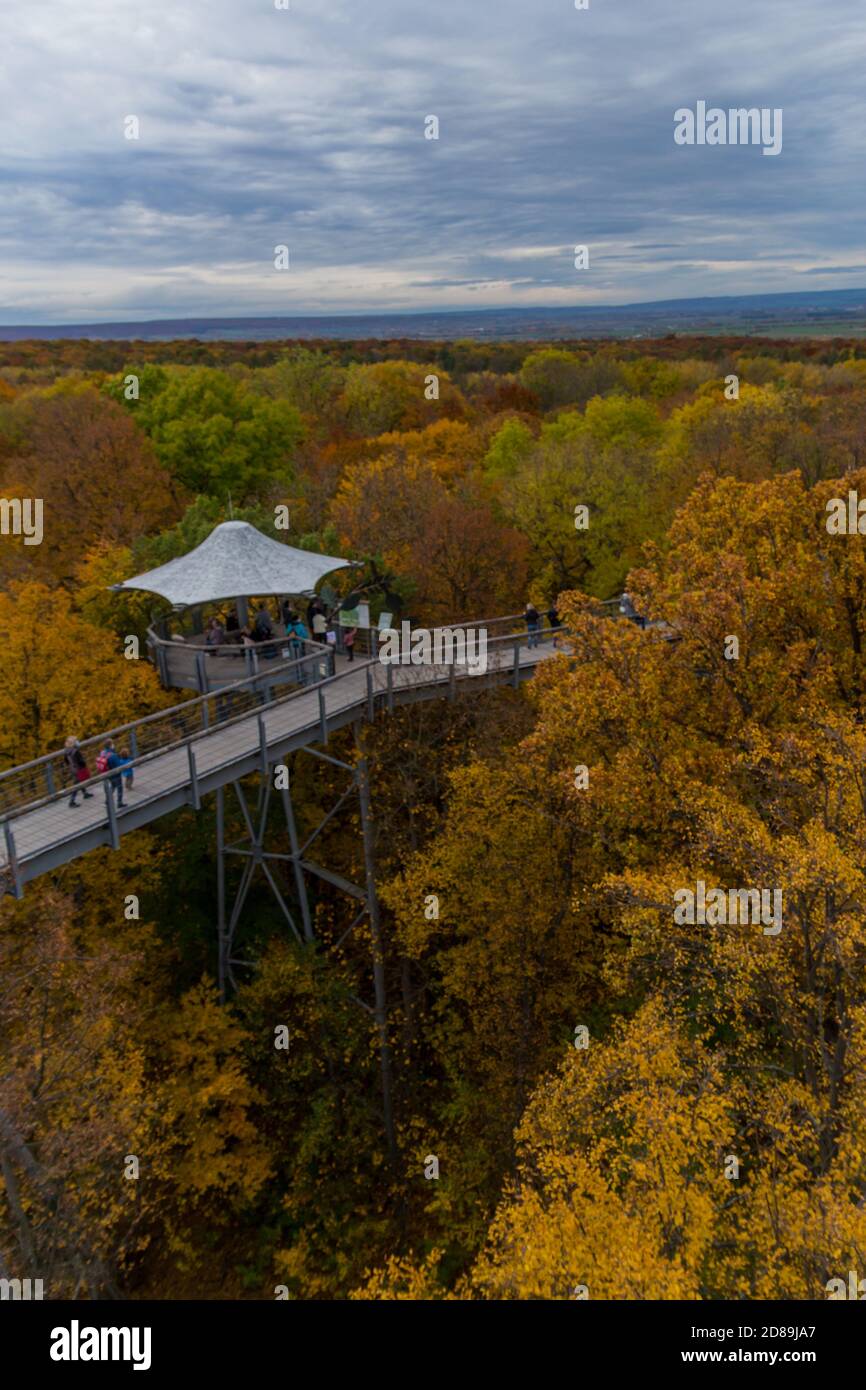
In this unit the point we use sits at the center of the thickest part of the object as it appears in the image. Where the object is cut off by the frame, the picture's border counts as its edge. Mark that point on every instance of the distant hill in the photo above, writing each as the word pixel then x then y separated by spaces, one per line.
pixel 819 313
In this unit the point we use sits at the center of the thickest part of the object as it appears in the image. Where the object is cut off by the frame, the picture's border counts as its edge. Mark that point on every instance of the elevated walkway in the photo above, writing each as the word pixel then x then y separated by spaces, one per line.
pixel 183 753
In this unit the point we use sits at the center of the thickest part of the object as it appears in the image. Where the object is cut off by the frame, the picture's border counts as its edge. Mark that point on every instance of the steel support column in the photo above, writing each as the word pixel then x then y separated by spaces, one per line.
pixel 381 1003
pixel 300 881
pixel 222 949
pixel 253 853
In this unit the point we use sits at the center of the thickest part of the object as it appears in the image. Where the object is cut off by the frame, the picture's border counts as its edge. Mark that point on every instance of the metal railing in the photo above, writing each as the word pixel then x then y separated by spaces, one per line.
pixel 195 665
pixel 46 782
pixel 192 664
pixel 50 773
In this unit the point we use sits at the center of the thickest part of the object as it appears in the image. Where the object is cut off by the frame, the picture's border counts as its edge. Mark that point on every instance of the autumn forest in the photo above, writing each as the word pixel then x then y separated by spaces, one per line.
pixel 618 1099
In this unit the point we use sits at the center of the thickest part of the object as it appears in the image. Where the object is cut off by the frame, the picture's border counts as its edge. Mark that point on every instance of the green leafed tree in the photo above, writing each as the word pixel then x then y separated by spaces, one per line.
pixel 212 433
pixel 560 378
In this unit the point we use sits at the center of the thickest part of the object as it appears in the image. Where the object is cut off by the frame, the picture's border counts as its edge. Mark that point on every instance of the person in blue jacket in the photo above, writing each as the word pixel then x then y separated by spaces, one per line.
pixel 107 761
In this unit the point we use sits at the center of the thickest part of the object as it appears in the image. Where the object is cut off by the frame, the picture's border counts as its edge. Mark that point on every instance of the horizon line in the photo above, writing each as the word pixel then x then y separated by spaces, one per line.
pixel 452 311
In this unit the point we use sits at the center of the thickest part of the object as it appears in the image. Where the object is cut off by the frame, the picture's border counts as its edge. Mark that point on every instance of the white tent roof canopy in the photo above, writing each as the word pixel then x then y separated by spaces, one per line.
pixel 235 561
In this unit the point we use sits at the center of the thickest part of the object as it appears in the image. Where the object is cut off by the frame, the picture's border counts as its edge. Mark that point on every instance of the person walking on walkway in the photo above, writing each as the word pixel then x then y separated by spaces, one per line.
pixel 108 760
pixel 349 642
pixel 533 623
pixel 128 770
pixel 555 623
pixel 78 769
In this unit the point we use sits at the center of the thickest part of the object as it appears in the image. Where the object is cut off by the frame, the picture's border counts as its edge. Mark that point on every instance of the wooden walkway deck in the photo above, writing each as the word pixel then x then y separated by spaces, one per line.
pixel 41 833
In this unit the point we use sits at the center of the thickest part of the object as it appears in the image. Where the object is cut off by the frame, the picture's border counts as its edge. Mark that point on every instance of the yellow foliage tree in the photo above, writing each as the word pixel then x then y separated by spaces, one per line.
pixel 62 675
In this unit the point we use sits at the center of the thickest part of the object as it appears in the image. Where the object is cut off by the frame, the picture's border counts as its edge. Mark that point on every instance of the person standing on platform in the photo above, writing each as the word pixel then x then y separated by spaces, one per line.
pixel 627 608
pixel 128 771
pixel 320 626
pixel 263 631
pixel 215 633
pixel 264 628
pixel 297 633
pixel 533 623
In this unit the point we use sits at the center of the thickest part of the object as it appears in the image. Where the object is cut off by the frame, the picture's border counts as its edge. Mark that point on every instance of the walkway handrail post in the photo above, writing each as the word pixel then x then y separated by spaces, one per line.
pixel 49 779
pixel 390 686
pixel 12 859
pixel 371 710
pixel 515 670
pixel 112 814
pixel 221 892
pixel 263 745
pixel 323 718
pixel 452 681
pixel 195 798
pixel 133 743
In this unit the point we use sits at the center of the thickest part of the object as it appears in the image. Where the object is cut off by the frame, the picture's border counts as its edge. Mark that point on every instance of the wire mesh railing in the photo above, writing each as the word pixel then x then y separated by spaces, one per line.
pixel 194 664
pixel 47 784
pixel 53 773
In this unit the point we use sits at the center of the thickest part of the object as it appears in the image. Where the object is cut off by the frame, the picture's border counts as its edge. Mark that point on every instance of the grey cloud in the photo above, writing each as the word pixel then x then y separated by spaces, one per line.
pixel 260 127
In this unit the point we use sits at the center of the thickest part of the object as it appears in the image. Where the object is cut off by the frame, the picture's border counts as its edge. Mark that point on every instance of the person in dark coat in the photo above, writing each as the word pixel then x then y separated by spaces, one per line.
pixel 78 769
pixel 263 631
pixel 263 627
pixel 533 623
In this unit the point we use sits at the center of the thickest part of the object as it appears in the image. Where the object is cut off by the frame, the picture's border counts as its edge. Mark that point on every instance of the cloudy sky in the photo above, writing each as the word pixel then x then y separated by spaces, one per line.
pixel 305 127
